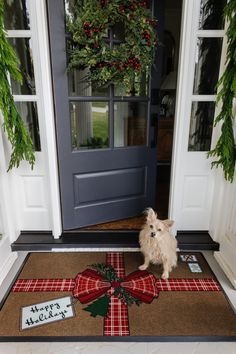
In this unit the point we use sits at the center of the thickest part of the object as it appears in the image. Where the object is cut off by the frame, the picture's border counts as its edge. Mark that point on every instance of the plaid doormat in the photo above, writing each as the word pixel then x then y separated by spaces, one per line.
pixel 103 296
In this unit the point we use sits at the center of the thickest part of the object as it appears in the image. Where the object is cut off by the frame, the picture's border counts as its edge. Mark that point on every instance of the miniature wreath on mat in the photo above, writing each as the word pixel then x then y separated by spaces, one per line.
pixel 123 62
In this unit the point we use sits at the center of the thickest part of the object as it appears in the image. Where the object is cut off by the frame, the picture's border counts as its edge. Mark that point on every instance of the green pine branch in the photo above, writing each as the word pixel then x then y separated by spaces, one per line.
pixel 17 133
pixel 225 149
pixel 107 271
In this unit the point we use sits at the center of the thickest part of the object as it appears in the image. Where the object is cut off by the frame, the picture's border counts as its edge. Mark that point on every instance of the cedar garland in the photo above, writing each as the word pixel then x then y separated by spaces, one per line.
pixel 225 148
pixel 22 146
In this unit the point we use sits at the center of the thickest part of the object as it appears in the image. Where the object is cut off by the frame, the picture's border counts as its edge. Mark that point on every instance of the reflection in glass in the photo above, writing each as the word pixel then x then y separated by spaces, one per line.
pixel 118 31
pixel 89 125
pixel 130 123
pixel 23 49
pixel 207 65
pixel 211 14
pixel 138 88
pixel 16 15
pixel 79 86
pixel 201 124
pixel 28 112
pixel 69 4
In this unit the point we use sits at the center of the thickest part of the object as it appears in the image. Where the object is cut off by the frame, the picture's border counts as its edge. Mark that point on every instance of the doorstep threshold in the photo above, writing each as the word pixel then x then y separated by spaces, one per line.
pixel 104 239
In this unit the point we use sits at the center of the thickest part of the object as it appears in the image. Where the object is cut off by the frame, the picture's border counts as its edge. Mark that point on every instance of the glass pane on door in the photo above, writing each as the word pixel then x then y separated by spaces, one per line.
pixel 29 113
pixel 130 123
pixel 16 15
pixel 23 48
pixel 89 125
pixel 211 14
pixel 201 124
pixel 79 85
pixel 207 65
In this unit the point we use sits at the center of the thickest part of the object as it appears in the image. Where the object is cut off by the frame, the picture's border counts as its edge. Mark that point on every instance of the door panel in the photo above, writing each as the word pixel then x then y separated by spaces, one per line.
pixel 106 144
pixel 99 186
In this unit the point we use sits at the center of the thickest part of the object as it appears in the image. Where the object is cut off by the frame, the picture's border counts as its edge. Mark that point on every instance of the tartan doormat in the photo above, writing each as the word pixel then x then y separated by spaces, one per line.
pixel 103 296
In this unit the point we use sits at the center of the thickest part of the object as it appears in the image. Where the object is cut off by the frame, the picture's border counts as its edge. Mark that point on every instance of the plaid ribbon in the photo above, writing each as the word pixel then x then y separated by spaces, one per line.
pixel 89 285
pixel 176 284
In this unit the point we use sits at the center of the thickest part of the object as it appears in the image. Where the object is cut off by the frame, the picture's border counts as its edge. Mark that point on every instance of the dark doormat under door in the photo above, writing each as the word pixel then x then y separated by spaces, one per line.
pixel 104 297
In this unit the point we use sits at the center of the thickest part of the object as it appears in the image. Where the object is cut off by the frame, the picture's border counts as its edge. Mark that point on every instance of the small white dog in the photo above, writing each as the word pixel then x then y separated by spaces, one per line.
pixel 157 244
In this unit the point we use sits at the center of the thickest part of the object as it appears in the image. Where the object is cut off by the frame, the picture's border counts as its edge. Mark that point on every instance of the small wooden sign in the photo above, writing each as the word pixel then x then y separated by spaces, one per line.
pixel 188 258
pixel 195 267
pixel 46 312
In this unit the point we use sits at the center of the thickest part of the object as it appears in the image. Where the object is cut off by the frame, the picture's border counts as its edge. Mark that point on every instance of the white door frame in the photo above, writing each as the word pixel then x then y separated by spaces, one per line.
pixel 47 122
pixel 192 180
pixel 43 53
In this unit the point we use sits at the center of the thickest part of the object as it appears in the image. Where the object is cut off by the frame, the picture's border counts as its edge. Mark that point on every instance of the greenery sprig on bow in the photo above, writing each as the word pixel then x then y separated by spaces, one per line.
pixel 121 62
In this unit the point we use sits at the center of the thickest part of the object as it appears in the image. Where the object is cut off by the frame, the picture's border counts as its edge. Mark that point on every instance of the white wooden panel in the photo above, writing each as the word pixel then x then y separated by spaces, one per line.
pixel 33 189
pixel 1 223
pixel 33 204
pixel 7 258
pixel 195 192
pixel 223 226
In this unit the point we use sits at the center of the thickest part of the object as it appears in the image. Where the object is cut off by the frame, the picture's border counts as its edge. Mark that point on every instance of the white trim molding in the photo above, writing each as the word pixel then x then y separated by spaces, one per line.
pixel 40 28
pixel 192 180
pixel 229 272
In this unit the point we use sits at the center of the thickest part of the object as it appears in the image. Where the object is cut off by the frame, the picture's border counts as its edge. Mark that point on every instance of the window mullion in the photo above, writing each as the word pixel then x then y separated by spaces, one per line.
pixel 111 117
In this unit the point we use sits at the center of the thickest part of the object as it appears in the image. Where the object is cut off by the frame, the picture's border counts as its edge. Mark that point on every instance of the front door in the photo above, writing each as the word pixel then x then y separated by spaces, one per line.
pixel 106 138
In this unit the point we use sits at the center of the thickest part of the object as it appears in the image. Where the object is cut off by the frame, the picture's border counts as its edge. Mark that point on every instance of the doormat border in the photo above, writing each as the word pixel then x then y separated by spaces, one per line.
pixel 119 339
pixel 114 338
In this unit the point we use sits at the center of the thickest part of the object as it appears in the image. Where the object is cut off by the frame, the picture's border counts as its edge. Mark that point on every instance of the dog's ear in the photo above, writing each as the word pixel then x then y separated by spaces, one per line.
pixel 168 223
pixel 151 215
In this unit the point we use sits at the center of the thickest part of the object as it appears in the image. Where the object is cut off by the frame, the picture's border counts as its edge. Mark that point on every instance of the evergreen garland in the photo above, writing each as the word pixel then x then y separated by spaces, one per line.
pixel 225 148
pixel 122 63
pixel 22 146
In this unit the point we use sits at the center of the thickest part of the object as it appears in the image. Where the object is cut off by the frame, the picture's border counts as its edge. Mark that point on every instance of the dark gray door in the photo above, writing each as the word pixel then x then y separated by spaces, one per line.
pixel 106 142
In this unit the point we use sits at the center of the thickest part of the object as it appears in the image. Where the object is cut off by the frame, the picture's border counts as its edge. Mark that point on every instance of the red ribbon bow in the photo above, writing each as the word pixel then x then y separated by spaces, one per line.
pixel 89 285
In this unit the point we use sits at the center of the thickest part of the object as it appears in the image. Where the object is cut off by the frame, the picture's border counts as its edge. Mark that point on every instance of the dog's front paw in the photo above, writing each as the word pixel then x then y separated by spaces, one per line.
pixel 165 276
pixel 143 267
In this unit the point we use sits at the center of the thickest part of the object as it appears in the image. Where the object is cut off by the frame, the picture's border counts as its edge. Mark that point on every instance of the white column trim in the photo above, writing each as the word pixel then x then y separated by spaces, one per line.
pixel 9 219
pixel 39 14
pixel 185 40
pixel 229 272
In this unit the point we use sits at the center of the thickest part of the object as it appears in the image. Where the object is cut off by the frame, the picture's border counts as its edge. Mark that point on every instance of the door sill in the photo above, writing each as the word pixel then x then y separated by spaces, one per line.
pixel 76 240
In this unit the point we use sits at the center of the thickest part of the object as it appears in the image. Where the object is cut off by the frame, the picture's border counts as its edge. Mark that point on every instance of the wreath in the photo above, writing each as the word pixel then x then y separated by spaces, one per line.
pixel 125 61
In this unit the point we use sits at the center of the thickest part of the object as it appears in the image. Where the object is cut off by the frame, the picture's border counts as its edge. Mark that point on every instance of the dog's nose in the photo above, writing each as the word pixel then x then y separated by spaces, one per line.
pixel 152 234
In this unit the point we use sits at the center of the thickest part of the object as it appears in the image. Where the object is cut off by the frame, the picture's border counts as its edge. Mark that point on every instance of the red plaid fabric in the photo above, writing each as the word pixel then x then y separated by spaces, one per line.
pixel 116 259
pixel 89 286
pixel 176 284
pixel 117 321
pixel 43 285
pixel 141 285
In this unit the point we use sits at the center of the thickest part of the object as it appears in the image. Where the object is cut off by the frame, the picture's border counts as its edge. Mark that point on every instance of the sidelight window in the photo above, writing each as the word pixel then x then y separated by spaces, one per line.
pixel 17 25
pixel 208 49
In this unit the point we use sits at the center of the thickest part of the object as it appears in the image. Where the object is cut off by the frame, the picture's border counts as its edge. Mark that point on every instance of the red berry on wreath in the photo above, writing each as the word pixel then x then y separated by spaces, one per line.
pixel 103 2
